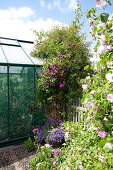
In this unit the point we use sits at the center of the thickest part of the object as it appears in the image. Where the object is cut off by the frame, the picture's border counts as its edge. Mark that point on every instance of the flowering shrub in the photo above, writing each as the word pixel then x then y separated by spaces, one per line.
pixel 65 54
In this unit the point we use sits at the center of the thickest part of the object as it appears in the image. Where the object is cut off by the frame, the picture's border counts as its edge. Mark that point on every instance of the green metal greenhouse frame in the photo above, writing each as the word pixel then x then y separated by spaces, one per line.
pixel 18 75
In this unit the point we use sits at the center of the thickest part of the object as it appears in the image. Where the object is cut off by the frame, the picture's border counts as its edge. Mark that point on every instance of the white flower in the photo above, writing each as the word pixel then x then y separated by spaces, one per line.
pixel 103 39
pixel 84 86
pixel 47 146
pixel 101 4
pixel 109 77
pixel 101 158
pixel 67 135
pixel 88 77
pixel 102 49
pixel 105 118
pixel 108 145
pixel 109 47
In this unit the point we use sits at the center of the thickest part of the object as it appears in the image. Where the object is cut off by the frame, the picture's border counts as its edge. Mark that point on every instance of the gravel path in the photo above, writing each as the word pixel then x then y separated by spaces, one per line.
pixel 15 158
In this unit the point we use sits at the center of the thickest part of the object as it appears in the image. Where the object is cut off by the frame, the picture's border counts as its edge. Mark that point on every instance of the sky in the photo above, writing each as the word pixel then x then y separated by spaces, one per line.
pixel 18 18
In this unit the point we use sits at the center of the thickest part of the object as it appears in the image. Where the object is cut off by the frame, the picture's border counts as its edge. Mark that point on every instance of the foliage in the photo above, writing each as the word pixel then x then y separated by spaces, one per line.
pixel 99 88
pixel 82 148
pixel 89 143
pixel 66 53
pixel 43 159
pixel 28 145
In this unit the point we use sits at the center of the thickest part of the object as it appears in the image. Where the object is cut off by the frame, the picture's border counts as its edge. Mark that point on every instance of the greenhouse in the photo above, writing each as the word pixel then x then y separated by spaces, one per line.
pixel 18 74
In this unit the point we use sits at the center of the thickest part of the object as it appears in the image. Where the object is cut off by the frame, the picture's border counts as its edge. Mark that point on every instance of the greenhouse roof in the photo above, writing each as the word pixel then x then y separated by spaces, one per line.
pixel 13 53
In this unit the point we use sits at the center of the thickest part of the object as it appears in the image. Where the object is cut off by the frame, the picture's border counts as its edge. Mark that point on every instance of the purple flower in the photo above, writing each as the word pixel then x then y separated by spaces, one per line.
pixel 74 62
pixel 56 152
pixel 46 82
pixel 62 84
pixel 71 45
pixel 53 100
pixel 31 108
pixel 61 57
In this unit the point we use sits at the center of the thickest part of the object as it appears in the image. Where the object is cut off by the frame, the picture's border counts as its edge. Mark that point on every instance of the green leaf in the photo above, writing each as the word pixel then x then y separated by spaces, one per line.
pixel 104 17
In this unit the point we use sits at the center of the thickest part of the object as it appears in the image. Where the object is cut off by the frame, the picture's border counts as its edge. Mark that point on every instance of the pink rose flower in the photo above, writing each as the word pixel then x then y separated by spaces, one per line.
pixel 90 104
pixel 110 97
pixel 102 134
pixel 93 92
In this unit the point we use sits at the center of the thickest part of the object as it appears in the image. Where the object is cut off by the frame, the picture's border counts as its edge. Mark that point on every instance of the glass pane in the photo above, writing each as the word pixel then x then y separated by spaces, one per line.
pixel 37 61
pixel 9 41
pixel 4 122
pixel 16 55
pixel 21 99
pixel 2 57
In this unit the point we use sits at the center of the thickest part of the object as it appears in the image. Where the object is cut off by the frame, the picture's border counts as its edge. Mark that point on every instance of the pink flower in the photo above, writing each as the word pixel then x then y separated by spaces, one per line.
pixel 42 147
pixel 60 154
pixel 38 164
pixel 84 86
pixel 55 163
pixel 56 152
pixel 102 134
pixel 80 167
pixel 105 24
pixel 88 119
pixel 112 132
pixel 93 92
pixel 110 97
pixel 96 109
pixel 95 69
pixel 90 104
pixel 34 130
pixel 101 4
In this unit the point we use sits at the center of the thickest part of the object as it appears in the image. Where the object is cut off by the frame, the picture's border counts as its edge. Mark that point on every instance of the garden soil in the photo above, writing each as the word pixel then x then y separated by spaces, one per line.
pixel 15 158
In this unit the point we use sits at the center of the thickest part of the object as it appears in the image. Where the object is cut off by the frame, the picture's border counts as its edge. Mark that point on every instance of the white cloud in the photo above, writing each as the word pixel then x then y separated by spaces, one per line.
pixel 12 13
pixel 65 5
pixel 16 23
pixel 42 3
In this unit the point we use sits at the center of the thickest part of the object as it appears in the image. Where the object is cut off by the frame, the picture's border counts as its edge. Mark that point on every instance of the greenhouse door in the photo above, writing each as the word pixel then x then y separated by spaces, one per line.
pixel 21 97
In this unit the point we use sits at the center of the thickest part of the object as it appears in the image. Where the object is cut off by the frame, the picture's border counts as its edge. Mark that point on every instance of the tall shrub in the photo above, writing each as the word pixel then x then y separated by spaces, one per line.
pixel 66 53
